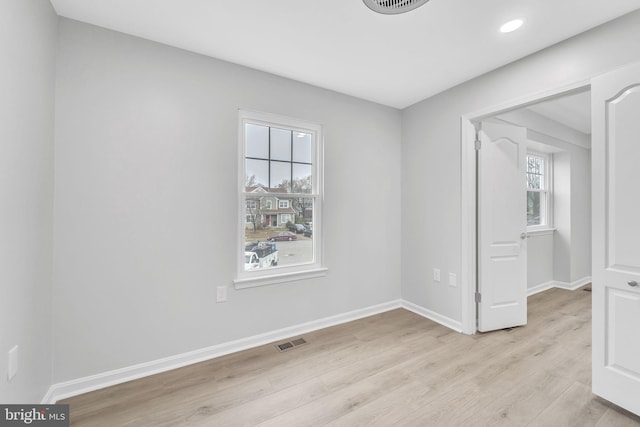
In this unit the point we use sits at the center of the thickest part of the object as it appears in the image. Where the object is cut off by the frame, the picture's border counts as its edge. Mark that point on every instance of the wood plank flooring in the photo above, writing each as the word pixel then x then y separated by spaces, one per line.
pixel 392 369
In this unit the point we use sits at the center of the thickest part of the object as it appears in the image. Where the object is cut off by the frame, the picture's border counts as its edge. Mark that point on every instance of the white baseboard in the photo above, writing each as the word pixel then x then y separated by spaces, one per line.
pixel 431 315
pixel 573 285
pixel 95 382
pixel 540 288
pixel 558 284
pixel 48 398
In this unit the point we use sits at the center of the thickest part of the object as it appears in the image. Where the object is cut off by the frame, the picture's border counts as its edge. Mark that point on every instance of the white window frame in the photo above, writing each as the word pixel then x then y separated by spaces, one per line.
pixel 268 204
pixel 284 218
pixel 251 204
pixel 547 189
pixel 281 274
pixel 283 204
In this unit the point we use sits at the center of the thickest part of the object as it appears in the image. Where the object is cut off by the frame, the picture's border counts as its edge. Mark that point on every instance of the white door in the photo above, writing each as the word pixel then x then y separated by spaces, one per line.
pixel 615 101
pixel 502 227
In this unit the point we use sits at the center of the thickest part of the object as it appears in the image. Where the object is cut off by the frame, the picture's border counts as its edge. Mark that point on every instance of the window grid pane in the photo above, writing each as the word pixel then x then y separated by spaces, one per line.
pixel 279 197
pixel 285 165
pixel 536 191
pixel 535 173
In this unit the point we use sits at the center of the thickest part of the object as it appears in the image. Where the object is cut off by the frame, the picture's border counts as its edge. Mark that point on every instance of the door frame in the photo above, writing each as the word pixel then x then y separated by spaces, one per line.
pixel 468 201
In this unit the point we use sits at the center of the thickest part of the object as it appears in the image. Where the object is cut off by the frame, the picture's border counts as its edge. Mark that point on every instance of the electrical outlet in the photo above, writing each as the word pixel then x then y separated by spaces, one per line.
pixel 436 274
pixel 453 280
pixel 221 295
pixel 13 363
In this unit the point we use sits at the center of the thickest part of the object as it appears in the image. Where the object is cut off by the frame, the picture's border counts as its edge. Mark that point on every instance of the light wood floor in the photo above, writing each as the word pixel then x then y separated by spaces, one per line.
pixel 392 369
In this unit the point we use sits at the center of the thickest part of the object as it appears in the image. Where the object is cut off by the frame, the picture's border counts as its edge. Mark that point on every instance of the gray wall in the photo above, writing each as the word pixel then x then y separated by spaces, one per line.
pixel 580 214
pixel 562 215
pixel 539 260
pixel 28 46
pixel 431 149
pixel 572 215
pixel 145 208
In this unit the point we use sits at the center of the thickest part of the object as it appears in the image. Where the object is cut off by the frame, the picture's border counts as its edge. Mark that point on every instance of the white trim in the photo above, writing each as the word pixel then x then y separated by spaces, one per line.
pixel 433 316
pixel 252 282
pixel 540 232
pixel 559 285
pixel 468 182
pixel 48 398
pixel 90 383
pixel 547 190
pixel 573 285
pixel 540 288
pixel 468 227
pixel 244 278
pixel 118 376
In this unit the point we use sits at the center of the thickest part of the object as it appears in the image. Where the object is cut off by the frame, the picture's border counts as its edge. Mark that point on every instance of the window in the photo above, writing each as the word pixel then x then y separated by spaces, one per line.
pixel 281 157
pixel 284 218
pixel 538 191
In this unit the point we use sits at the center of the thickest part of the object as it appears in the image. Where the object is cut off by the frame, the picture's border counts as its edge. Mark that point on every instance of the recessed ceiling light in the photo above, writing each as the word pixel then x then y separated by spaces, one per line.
pixel 511 26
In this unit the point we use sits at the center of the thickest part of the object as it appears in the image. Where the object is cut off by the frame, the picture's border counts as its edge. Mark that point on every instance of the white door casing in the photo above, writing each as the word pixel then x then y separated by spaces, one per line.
pixel 502 244
pixel 615 100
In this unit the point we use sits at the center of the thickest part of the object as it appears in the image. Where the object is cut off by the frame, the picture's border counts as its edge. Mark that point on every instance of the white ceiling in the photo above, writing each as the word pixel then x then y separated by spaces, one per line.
pixel 573 111
pixel 341 45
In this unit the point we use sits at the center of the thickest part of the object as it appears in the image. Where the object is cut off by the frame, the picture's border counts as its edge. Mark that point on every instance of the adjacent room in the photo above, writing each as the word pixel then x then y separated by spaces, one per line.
pixel 309 213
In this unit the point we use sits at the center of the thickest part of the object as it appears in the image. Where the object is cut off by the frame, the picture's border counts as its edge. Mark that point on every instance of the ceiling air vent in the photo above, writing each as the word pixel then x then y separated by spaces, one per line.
pixel 392 7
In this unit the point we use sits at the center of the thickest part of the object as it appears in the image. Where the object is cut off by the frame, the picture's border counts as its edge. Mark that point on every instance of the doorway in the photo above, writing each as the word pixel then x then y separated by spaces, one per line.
pixel 558 234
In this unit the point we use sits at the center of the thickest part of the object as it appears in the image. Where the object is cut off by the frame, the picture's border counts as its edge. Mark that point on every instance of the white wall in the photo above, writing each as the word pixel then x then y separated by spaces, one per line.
pixel 431 149
pixel 572 215
pixel 28 44
pixel 562 216
pixel 580 214
pixel 539 260
pixel 145 219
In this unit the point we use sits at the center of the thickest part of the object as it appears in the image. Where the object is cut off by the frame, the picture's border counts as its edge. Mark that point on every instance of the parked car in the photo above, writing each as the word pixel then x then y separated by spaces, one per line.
pixel 297 228
pixel 308 232
pixel 250 245
pixel 283 235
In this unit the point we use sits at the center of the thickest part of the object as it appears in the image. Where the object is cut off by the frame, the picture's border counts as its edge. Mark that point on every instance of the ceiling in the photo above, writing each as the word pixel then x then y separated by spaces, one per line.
pixel 341 45
pixel 573 111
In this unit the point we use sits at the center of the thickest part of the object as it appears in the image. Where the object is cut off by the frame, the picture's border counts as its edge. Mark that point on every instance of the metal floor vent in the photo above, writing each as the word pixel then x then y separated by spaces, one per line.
pixel 290 344
pixel 393 7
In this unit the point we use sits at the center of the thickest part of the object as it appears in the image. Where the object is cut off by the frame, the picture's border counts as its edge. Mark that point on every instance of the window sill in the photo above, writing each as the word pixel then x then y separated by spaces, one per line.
pixel 252 282
pixel 540 232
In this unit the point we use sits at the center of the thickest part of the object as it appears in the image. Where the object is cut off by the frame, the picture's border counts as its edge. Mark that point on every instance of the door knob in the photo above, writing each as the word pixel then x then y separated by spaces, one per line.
pixel 632 283
pixel 523 236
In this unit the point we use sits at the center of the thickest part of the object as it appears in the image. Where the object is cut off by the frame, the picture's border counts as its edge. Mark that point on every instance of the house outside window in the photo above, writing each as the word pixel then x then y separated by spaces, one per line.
pixel 538 191
pixel 280 160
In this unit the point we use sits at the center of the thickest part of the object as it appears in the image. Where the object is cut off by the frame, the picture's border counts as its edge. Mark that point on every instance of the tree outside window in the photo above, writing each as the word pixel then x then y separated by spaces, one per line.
pixel 280 190
pixel 537 191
